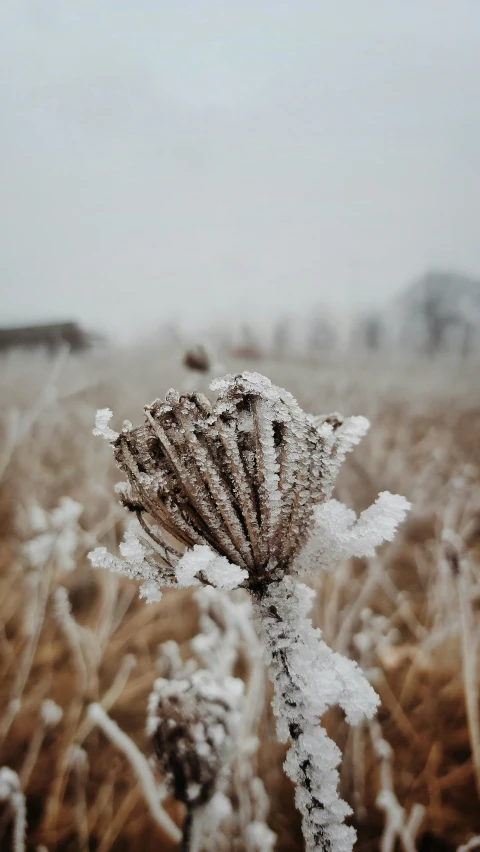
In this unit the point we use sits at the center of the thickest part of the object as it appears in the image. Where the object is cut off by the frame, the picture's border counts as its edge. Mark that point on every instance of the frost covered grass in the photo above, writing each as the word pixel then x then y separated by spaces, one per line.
pixel 82 639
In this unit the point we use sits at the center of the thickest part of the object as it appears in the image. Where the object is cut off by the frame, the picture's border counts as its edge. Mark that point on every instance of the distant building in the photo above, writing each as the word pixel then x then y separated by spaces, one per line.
pixel 51 336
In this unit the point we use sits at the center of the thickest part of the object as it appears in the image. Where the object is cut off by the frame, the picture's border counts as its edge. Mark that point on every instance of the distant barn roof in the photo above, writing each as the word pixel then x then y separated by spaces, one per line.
pixel 50 335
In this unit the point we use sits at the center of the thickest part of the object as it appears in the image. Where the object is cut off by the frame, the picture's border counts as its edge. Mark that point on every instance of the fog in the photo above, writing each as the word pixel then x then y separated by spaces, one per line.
pixel 213 160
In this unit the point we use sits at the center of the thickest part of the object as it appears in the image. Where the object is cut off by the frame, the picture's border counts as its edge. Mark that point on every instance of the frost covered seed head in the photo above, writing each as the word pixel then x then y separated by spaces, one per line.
pixel 242 475
pixel 192 722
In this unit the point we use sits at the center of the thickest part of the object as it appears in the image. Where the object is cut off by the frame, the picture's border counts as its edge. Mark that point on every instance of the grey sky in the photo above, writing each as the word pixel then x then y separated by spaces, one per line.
pixel 204 159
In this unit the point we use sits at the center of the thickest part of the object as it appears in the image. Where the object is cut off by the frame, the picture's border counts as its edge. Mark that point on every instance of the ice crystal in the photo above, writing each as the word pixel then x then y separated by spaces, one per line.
pixel 138 563
pixel 217 570
pixel 102 429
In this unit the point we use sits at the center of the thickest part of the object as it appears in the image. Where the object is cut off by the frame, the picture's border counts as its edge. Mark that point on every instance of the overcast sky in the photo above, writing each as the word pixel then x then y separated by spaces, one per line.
pixel 165 158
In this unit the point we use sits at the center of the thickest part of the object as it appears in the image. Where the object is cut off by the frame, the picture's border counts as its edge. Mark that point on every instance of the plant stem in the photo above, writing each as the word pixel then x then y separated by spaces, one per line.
pixel 187 831
pixel 306 681
pixel 192 830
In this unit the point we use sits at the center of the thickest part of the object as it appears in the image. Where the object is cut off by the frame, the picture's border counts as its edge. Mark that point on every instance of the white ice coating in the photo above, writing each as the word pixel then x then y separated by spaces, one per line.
pixel 102 429
pixel 308 678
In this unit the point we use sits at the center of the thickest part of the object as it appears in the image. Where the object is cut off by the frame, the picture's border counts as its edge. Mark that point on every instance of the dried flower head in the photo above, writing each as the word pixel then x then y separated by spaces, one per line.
pixel 192 722
pixel 242 475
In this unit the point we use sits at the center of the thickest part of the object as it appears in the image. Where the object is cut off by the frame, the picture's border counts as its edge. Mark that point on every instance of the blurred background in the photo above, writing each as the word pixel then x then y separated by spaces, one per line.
pixel 300 170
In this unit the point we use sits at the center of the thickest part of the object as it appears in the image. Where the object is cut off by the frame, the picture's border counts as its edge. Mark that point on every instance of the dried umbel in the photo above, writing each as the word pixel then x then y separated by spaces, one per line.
pixel 238 493
pixel 242 475
pixel 192 722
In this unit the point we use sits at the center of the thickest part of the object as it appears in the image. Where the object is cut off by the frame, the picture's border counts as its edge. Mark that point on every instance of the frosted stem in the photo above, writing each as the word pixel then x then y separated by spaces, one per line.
pixel 308 677
pixel 289 709
pixel 139 764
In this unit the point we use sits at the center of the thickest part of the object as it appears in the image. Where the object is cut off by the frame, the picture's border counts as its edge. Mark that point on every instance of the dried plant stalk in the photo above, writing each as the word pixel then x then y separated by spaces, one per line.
pixel 245 485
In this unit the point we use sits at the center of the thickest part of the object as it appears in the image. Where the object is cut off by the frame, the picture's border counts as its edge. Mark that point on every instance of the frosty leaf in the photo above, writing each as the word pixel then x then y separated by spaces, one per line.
pixel 191 563
pixel 338 533
pixel 357 699
pixel 102 429
pixel 136 564
pixel 218 571
pixel 379 522
pixel 223 575
pixel 132 550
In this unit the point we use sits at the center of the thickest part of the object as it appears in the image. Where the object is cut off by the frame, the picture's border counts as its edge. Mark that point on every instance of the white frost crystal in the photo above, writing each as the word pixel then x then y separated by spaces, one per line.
pixel 137 564
pixel 338 533
pixel 218 571
pixel 102 429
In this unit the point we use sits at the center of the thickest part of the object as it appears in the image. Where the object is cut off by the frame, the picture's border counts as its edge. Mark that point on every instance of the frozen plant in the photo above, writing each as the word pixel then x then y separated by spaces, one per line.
pixel 203 723
pixel 239 493
pixel 193 721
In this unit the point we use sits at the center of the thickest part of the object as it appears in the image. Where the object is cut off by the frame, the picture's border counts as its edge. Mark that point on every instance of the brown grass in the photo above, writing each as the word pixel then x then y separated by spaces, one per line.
pixel 424 443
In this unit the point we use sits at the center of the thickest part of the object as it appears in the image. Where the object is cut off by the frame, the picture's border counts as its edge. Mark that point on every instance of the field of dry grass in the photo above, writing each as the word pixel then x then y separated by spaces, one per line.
pixel 410 616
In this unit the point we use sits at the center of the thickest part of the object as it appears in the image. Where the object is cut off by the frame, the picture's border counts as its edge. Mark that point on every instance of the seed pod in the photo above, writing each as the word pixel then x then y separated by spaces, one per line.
pixel 192 723
pixel 241 475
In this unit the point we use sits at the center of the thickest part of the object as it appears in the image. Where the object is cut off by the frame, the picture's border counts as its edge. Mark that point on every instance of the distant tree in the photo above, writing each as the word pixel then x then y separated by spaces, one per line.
pixel 373 333
pixel 437 322
pixel 440 312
